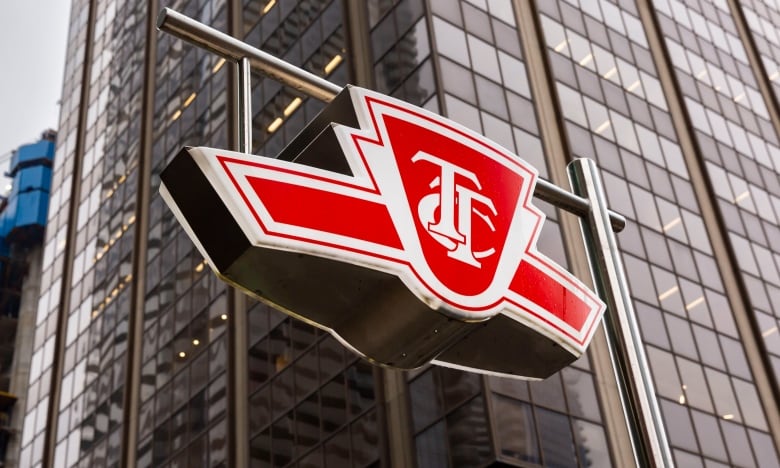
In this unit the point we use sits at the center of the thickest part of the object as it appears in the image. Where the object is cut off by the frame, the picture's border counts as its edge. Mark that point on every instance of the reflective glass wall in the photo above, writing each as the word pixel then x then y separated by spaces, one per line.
pixel 738 143
pixel 182 394
pixel 33 435
pixel 616 113
pixel 311 402
pixel 132 355
pixel 463 419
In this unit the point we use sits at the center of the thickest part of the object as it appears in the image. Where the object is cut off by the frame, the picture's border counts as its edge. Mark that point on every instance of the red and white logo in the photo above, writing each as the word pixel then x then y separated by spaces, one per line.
pixel 444 209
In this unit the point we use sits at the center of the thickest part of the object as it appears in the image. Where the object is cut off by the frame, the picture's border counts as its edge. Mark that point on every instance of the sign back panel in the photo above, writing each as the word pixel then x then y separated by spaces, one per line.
pixel 406 235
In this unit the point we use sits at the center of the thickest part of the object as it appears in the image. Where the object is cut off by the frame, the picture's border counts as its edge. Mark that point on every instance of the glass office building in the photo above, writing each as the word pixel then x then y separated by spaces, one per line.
pixel 135 364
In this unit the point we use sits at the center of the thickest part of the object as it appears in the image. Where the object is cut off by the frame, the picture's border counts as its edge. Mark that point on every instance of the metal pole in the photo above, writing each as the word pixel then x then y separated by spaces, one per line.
pixel 643 415
pixel 230 48
pixel 244 106
pixel 237 324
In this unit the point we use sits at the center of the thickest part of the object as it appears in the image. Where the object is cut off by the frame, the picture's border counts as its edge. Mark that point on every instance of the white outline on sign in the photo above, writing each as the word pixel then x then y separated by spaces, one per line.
pixel 228 171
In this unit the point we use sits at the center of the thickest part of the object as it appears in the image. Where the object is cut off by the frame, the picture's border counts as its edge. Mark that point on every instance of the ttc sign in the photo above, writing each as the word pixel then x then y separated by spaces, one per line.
pixel 406 235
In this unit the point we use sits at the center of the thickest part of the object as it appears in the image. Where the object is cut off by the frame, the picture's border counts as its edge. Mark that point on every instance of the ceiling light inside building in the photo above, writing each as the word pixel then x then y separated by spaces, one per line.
pixel 668 293
pixel 218 65
pixel 275 125
pixel 334 62
pixel 292 106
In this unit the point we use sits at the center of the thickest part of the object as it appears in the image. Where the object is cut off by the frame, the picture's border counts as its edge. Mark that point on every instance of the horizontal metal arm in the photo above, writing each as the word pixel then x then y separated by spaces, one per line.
pixel 551 193
pixel 314 86
pixel 230 48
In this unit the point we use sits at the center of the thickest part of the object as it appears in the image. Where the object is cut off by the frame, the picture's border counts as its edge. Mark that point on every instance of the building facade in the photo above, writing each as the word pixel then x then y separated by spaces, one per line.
pixel 23 215
pixel 134 362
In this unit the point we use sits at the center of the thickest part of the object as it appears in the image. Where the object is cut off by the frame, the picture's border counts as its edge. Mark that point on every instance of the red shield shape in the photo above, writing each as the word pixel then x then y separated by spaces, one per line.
pixel 462 204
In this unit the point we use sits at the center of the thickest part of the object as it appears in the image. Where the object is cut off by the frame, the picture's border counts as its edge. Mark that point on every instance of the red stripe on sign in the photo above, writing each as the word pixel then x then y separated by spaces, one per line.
pixel 328 212
pixel 550 294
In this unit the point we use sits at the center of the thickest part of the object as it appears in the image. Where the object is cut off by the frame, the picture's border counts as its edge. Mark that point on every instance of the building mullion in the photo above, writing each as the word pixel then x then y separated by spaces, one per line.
pixel 131 406
pixel 237 339
pixel 773 108
pixel 723 252
pixel 392 391
pixel 359 41
pixel 558 154
pixel 760 72
pixel 437 72
pixel 52 417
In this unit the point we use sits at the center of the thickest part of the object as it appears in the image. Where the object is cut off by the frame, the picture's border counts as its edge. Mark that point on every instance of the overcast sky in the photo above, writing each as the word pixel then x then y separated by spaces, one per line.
pixel 32 55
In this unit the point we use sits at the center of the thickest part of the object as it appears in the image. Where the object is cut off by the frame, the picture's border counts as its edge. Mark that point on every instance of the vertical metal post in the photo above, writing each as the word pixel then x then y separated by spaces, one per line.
pixel 643 415
pixel 238 418
pixel 244 106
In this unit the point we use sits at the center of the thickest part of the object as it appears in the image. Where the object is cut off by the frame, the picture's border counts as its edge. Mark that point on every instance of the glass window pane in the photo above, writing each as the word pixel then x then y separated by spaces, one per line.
pixel 516 432
pixel 581 394
pixel 458 386
pixel 737 444
pixel 283 441
pixel 307 423
pixel 431 447
pixel 515 77
pixel 709 435
pixel 451 41
pixel 260 449
pixel 334 405
pixel 365 440
pixel 556 438
pixel 426 403
pixel 468 433
pixel 483 58
pixel 591 444
pixel 678 425
pixel 457 80
pixel 548 393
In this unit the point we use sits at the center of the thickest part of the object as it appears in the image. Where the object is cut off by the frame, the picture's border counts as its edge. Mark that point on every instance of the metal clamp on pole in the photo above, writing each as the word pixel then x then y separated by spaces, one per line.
pixel 643 415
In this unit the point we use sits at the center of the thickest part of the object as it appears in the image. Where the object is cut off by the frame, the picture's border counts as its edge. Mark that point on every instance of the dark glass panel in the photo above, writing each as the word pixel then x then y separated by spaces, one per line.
pixel 458 386
pixel 581 394
pixel 334 407
pixel 431 447
pixel 360 386
pixel 709 436
pixel 307 423
pixel 283 440
pixel 516 433
pixel 548 393
pixel 425 400
pixel 337 450
pixel 592 448
pixel 737 444
pixel 556 439
pixel 365 440
pixel 678 425
pixel 259 410
pixel 468 434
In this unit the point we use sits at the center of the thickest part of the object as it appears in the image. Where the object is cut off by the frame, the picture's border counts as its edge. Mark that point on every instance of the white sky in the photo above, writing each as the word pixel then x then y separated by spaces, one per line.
pixel 32 56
